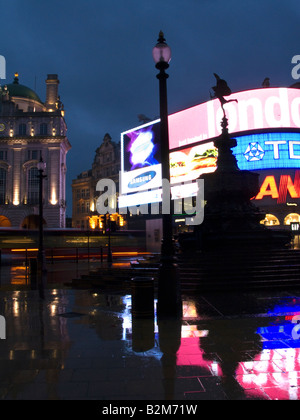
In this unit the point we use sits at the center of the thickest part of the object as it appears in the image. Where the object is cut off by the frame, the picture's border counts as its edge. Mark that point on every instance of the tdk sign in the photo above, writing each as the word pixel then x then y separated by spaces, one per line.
pixel 268 151
pixel 254 152
pixel 142 179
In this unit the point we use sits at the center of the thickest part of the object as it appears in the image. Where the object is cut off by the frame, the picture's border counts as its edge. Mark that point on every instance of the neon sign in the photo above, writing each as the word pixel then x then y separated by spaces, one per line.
pixel 141 179
pixel 258 109
pixel 268 151
pixel 140 147
pixel 191 132
pixel 270 188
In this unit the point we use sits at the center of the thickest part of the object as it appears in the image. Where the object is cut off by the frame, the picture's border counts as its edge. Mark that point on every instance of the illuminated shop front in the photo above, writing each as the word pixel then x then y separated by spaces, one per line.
pixel 101 223
pixel 266 125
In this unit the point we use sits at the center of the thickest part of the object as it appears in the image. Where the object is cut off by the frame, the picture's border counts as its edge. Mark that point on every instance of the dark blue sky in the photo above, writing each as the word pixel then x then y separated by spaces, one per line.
pixel 102 53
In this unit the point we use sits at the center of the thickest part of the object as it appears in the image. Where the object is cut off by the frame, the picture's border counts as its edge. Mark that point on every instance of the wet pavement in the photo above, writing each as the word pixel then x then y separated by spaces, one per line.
pixel 86 345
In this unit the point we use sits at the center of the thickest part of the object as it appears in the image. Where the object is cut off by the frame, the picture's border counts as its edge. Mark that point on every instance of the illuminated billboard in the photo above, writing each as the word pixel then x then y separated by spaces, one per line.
pixel 268 151
pixel 141 147
pixel 140 158
pixel 277 185
pixel 188 164
pixel 192 150
pixel 258 109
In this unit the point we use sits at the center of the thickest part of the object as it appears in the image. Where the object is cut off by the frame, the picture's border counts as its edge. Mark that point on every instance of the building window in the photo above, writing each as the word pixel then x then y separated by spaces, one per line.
pixel 78 194
pixel 2 185
pixel 33 186
pixel 43 129
pixel 34 154
pixel 22 129
pixel 3 154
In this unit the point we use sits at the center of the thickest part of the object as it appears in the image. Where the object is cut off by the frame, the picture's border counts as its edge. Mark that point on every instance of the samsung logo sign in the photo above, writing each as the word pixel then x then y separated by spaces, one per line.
pixel 142 179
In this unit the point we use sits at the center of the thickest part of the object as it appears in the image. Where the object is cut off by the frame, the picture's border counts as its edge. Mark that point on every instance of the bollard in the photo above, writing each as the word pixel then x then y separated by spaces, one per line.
pixel 143 337
pixel 142 309
pixel 142 297
pixel 33 272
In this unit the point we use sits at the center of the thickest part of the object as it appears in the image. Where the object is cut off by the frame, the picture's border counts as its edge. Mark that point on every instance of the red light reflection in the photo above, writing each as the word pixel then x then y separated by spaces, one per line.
pixel 266 373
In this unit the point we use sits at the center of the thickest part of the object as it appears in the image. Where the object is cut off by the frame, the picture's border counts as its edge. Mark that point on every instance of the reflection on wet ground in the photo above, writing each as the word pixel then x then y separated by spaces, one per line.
pixel 85 344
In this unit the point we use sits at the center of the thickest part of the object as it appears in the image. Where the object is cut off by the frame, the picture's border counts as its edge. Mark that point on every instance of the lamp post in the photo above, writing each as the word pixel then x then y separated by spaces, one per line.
pixel 169 299
pixel 41 166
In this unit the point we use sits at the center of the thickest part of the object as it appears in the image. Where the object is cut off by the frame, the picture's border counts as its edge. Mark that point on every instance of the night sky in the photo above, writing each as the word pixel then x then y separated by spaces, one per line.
pixel 102 53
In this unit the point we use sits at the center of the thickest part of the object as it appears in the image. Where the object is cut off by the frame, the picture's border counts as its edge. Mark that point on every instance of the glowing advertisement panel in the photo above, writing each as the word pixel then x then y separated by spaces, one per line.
pixel 188 164
pixel 141 146
pixel 258 109
pixel 141 179
pixel 155 196
pixel 281 185
pixel 268 151
pixel 190 131
pixel 140 158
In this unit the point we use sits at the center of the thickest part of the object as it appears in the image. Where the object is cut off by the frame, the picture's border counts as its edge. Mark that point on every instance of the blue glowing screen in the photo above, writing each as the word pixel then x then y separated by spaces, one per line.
pixel 142 147
pixel 268 151
pixel 283 332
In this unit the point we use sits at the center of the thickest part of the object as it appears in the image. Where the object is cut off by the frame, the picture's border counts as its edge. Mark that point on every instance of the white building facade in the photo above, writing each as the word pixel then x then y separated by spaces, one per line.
pixel 30 130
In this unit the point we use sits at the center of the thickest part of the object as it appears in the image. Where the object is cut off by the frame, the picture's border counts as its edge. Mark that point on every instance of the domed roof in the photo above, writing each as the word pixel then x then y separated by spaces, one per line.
pixel 21 91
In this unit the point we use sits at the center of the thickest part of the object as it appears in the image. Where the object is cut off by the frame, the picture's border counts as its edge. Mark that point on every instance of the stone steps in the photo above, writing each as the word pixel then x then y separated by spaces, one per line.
pixel 278 270
pixel 241 270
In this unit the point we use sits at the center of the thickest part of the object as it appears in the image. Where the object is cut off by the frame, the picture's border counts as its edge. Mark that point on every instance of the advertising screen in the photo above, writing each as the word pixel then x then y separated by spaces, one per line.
pixel 141 161
pixel 141 147
pixel 188 164
pixel 192 151
pixel 278 186
pixel 268 151
pixel 258 109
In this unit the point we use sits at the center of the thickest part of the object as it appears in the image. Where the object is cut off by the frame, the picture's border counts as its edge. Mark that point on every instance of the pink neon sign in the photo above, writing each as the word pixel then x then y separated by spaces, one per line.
pixel 256 109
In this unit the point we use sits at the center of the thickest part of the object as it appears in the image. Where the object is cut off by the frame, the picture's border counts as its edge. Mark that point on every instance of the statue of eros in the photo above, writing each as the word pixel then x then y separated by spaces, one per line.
pixel 222 89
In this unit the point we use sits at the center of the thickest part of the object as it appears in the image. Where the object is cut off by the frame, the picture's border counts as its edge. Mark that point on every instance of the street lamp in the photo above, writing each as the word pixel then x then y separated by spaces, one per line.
pixel 41 166
pixel 169 299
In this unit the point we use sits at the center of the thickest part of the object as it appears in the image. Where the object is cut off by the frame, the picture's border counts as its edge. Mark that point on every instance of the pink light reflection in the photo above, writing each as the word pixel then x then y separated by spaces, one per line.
pixel 190 353
pixel 276 373
pixel 272 374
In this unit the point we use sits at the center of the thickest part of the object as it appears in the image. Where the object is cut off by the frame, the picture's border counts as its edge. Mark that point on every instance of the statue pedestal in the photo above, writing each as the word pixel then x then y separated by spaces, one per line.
pixel 230 217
